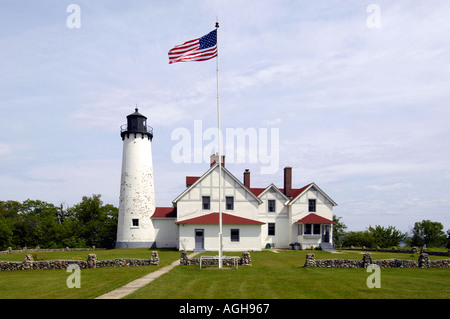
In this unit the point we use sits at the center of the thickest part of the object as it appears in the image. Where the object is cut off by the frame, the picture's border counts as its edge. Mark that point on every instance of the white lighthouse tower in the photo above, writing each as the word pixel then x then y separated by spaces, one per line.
pixel 137 194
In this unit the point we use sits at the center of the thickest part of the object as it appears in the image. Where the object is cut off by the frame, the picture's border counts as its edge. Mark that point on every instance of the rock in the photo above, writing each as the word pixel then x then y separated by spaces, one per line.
pixel 246 259
pixel 310 260
pixel 92 260
pixel 366 260
pixel 154 260
pixel 424 260
pixel 184 260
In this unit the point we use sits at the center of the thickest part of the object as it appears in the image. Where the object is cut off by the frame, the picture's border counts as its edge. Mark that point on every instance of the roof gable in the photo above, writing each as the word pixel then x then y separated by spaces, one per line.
pixel 262 191
pixel 297 193
pixel 201 178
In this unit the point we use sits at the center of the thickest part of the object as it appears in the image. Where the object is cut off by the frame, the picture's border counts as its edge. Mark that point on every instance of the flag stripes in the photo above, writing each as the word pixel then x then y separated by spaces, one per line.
pixel 201 49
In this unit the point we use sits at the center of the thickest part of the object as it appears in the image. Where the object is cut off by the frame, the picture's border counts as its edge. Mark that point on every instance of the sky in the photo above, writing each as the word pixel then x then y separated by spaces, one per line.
pixel 353 95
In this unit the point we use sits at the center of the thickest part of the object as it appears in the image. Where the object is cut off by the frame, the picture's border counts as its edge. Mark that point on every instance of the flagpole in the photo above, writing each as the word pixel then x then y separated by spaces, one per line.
pixel 219 152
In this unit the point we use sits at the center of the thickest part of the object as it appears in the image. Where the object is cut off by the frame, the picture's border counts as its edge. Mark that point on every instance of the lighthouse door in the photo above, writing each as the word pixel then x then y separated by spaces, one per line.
pixel 199 239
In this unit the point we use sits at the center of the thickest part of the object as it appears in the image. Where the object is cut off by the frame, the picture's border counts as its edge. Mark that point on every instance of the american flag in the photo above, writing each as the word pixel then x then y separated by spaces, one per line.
pixel 200 49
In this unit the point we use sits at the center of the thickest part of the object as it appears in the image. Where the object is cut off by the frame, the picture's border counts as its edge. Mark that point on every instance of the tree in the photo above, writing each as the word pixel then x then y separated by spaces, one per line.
pixel 6 234
pixel 38 223
pixel 8 216
pixel 94 222
pixel 359 239
pixel 428 233
pixel 448 239
pixel 338 230
pixel 386 237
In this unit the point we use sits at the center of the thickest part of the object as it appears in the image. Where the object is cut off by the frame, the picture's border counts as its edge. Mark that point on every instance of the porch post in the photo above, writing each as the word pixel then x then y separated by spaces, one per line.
pixel 331 235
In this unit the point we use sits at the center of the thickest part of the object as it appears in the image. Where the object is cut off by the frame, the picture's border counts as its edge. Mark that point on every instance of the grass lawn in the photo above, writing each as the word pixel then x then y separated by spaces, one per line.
pixel 51 284
pixel 283 276
pixel 272 275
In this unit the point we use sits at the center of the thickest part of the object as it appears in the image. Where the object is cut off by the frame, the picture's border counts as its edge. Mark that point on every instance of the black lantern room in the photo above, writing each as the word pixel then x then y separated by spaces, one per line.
pixel 136 124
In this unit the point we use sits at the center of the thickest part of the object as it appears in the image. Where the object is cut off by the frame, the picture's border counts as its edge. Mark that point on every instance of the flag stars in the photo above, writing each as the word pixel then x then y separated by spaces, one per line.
pixel 208 40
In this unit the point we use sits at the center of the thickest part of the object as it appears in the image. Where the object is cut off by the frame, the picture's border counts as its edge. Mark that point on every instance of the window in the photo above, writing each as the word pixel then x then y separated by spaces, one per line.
pixel 311 205
pixel 312 229
pixel 234 235
pixel 316 229
pixel 229 202
pixel 135 222
pixel 271 229
pixel 271 207
pixel 206 202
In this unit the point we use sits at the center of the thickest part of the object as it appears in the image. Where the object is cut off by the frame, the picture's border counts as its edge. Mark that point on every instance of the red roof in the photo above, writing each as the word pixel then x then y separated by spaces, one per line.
pixel 257 191
pixel 314 219
pixel 295 191
pixel 165 212
pixel 191 180
pixel 213 218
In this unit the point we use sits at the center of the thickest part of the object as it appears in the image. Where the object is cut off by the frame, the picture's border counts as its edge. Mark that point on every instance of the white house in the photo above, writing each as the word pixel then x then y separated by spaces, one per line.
pixel 252 218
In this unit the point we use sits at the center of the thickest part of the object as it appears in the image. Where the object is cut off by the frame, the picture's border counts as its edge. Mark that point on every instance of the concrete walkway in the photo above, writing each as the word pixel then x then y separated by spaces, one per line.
pixel 140 282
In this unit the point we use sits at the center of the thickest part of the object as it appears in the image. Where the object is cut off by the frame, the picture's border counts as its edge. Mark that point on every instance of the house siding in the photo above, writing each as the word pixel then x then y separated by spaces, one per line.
pixel 255 236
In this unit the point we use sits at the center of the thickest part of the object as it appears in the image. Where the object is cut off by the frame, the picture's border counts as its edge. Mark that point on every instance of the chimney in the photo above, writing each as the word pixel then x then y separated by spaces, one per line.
pixel 288 181
pixel 247 178
pixel 214 158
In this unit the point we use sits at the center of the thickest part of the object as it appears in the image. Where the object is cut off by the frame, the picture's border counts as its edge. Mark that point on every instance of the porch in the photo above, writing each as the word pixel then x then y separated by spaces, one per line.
pixel 314 231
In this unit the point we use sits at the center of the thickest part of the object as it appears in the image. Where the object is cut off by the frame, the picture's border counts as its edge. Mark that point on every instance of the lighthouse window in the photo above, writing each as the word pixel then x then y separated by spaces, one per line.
pixel 135 222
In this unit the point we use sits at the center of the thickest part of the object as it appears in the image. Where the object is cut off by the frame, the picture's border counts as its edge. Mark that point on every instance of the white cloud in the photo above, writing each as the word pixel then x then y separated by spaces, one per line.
pixel 273 122
pixel 396 186
pixel 5 149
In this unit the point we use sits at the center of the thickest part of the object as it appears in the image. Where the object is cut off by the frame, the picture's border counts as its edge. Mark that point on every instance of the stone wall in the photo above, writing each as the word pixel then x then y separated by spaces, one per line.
pixel 38 249
pixel 413 250
pixel 91 262
pixel 244 260
pixel 423 262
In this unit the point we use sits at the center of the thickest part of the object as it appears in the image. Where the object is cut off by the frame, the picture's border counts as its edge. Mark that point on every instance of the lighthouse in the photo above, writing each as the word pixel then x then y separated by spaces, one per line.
pixel 137 194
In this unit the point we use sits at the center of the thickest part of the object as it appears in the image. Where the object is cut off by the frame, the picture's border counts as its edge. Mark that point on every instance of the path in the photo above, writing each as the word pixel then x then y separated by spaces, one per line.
pixel 140 282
